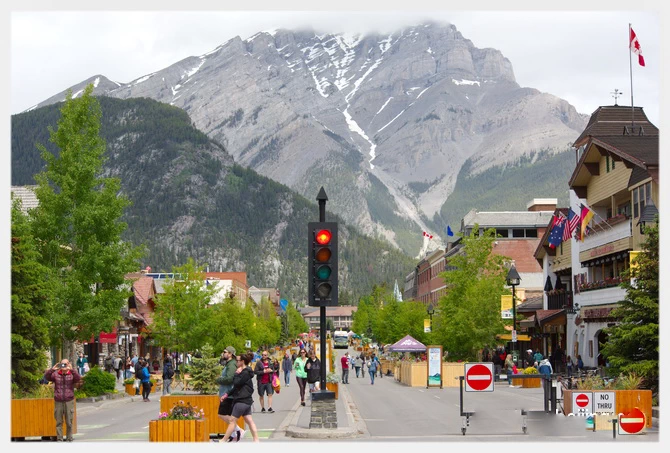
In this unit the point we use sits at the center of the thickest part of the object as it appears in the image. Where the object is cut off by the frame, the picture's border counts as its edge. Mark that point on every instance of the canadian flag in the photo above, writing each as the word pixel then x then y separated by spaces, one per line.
pixel 429 236
pixel 635 47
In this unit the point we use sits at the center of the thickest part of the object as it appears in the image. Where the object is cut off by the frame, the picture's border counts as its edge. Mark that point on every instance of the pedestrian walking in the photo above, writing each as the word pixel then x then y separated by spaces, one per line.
pixel 509 368
pixel 64 379
pixel 364 363
pixel 242 395
pixel 138 376
pixel 301 374
pixel 225 382
pixel 82 363
pixel 580 363
pixel 570 364
pixel 128 368
pixel 357 365
pixel 145 379
pixel 372 368
pixel 168 373
pixel 344 361
pixel 118 367
pixel 287 366
pixel 109 363
pixel 313 368
pixel 546 369
pixel 264 371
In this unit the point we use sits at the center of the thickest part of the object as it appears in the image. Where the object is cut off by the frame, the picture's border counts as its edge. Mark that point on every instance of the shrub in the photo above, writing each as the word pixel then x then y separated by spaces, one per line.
pixel 182 411
pixel 332 377
pixel 631 381
pixel 98 382
pixel 530 370
pixel 129 381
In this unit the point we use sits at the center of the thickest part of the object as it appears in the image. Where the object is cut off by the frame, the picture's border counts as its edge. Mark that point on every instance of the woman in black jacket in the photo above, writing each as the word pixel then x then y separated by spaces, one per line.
pixel 242 393
pixel 313 369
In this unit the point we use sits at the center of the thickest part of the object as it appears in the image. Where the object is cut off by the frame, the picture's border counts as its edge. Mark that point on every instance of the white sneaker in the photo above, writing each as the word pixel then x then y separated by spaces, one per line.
pixel 240 434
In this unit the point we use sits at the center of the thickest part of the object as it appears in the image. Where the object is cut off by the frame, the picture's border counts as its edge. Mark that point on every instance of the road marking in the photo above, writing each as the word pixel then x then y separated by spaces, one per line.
pixel 91 426
pixel 435 396
pixel 373 419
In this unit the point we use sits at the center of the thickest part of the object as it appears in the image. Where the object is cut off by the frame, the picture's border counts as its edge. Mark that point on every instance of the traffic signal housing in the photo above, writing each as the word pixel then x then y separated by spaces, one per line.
pixel 322 264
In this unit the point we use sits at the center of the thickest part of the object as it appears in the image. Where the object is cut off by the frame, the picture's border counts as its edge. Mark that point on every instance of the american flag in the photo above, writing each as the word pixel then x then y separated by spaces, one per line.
pixel 573 221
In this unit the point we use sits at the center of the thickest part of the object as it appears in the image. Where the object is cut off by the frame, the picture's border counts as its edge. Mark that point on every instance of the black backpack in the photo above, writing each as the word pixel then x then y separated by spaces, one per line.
pixel 138 371
pixel 169 372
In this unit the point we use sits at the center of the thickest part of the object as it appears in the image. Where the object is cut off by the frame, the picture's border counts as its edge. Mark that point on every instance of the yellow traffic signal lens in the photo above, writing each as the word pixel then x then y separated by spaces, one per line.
pixel 323 255
pixel 323 237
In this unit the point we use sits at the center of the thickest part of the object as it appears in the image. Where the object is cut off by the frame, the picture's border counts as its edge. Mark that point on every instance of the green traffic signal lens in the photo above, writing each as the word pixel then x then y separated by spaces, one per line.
pixel 323 272
pixel 323 290
pixel 323 255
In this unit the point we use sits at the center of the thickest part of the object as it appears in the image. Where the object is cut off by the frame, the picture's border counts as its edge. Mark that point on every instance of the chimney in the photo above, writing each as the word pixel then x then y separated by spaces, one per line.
pixel 542 204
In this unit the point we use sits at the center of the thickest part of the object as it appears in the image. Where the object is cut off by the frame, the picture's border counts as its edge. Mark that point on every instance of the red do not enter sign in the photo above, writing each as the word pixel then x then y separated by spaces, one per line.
pixel 633 422
pixel 478 377
pixel 582 400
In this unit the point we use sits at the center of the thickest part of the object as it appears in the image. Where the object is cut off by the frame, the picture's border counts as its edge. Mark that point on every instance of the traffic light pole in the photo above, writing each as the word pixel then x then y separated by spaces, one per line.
pixel 322 198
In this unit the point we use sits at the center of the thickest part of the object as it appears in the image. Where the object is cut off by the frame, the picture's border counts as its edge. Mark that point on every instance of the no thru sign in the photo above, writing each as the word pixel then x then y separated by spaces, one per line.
pixel 479 377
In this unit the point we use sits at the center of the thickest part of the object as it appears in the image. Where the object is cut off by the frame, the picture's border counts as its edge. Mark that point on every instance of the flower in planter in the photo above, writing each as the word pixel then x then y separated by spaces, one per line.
pixel 182 411
pixel 530 370
pixel 332 378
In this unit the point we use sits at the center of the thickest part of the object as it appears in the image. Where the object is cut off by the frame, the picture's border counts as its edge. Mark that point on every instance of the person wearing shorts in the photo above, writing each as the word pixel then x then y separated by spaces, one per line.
pixel 264 371
pixel 242 396
pixel 225 382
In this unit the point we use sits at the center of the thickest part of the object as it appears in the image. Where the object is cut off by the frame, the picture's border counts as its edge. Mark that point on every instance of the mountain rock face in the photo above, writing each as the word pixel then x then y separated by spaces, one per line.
pixel 383 122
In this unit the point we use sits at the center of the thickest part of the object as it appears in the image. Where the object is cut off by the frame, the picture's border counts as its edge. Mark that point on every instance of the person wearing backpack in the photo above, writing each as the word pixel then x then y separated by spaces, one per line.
pixel 138 375
pixel 168 373
pixel 145 377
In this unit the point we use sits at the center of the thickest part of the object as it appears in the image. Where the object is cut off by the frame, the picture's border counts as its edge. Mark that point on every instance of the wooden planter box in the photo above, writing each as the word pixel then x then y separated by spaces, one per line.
pixel 333 387
pixel 130 389
pixel 178 431
pixel 35 418
pixel 626 400
pixel 209 403
pixel 531 383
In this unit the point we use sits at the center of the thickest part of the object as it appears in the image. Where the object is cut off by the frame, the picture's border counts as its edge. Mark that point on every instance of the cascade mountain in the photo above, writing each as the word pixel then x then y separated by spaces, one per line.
pixel 391 125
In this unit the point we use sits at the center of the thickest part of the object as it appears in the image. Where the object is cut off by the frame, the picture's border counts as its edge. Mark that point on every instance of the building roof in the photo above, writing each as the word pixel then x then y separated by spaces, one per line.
pixel 144 289
pixel 27 196
pixel 507 219
pixel 344 310
pixel 611 121
pixel 238 276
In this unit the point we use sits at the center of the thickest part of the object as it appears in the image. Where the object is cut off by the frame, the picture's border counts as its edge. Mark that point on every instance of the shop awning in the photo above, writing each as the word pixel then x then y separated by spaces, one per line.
pixel 105 337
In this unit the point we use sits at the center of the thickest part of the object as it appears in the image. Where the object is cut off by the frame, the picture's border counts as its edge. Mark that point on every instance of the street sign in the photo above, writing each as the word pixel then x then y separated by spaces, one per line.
pixel 582 403
pixel 604 402
pixel 283 303
pixel 633 422
pixel 479 377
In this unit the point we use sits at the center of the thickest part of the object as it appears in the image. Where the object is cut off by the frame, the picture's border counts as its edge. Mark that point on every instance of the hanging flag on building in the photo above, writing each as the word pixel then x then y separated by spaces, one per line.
pixel 635 47
pixel 449 232
pixel 556 234
pixel 573 221
pixel 586 216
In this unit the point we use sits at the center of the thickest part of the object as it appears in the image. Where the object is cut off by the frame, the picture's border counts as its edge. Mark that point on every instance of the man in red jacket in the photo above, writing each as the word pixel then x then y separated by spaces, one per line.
pixel 345 368
pixel 64 379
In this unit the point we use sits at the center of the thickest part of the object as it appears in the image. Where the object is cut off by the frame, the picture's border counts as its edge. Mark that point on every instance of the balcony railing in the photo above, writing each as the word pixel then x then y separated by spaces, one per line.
pixel 607 283
pixel 559 299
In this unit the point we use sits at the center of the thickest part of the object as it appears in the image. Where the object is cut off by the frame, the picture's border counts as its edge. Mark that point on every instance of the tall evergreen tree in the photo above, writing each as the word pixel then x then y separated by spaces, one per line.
pixel 77 226
pixel 632 346
pixel 30 305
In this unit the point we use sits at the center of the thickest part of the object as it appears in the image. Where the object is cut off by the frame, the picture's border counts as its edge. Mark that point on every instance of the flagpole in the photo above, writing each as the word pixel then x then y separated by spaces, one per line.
pixel 630 64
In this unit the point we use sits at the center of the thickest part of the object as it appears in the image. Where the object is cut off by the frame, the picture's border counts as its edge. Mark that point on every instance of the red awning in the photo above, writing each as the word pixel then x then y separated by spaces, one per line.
pixel 105 337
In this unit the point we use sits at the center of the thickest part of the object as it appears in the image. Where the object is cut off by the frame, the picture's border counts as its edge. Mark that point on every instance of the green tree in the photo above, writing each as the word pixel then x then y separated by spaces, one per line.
pixel 182 317
pixel 205 370
pixel 632 345
pixel 296 323
pixel 77 226
pixel 469 314
pixel 30 306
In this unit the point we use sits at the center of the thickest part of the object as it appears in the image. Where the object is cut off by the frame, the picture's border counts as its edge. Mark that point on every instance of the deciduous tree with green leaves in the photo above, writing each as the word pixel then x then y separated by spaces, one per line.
pixel 182 318
pixel 77 227
pixel 633 343
pixel 469 314
pixel 31 300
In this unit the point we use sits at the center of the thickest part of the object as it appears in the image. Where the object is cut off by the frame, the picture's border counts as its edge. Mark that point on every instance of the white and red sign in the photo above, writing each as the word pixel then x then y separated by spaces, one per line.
pixel 582 403
pixel 633 422
pixel 479 377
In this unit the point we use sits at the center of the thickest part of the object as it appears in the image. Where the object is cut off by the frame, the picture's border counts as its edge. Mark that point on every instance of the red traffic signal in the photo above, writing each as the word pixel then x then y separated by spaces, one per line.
pixel 322 264
pixel 323 237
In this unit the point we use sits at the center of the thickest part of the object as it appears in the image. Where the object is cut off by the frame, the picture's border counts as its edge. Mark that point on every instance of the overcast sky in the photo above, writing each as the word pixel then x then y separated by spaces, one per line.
pixel 580 56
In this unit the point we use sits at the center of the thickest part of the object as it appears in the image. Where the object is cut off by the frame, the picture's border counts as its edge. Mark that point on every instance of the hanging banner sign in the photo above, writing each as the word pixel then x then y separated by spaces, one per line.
pixel 434 366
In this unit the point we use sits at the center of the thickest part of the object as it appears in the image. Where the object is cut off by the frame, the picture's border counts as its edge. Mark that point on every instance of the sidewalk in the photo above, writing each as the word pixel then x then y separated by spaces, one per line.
pixel 350 424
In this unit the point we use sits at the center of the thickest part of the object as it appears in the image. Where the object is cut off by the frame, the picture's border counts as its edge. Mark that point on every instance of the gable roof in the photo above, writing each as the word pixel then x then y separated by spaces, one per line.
pixel 144 289
pixel 610 120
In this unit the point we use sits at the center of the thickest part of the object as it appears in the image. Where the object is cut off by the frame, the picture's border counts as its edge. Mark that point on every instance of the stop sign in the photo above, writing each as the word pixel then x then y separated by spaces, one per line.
pixel 633 422
pixel 478 377
pixel 582 400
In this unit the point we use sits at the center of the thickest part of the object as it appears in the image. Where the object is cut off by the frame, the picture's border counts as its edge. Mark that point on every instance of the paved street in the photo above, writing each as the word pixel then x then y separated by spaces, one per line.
pixel 385 412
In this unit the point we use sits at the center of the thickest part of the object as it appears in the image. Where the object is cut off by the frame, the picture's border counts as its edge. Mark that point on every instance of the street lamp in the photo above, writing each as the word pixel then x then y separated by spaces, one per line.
pixel 430 310
pixel 513 279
